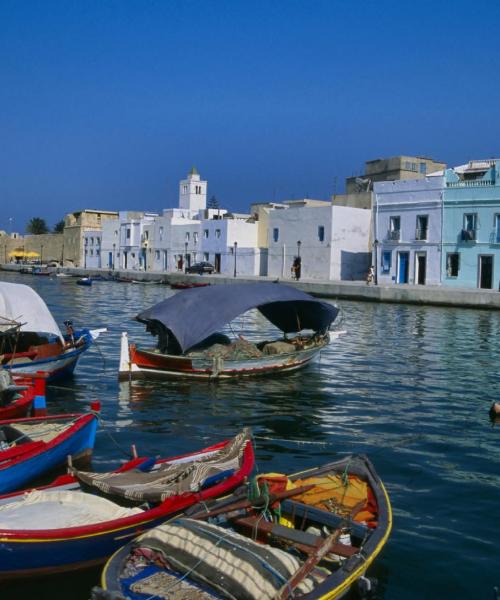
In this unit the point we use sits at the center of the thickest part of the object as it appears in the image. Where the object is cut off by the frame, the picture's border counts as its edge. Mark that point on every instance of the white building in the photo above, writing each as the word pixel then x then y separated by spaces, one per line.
pixel 331 241
pixel 125 241
pixel 92 249
pixel 407 230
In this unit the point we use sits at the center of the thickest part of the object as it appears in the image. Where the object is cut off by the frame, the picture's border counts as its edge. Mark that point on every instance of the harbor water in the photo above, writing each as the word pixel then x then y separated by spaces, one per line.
pixel 409 386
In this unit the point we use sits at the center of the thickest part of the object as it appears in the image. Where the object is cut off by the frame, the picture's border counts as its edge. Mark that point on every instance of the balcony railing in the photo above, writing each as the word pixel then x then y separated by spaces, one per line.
pixel 495 237
pixel 468 235
pixel 394 235
pixel 470 183
pixel 421 233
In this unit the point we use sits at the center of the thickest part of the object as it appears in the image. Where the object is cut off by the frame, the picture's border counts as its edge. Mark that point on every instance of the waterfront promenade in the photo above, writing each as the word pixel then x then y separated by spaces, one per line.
pixel 348 290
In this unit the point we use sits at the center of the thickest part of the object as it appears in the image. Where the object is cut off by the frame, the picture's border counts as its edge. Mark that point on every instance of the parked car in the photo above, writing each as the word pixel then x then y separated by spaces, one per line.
pixel 200 268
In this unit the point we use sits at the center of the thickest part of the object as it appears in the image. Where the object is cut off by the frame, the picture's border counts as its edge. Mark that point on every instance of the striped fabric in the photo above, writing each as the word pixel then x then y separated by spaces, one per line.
pixel 170 479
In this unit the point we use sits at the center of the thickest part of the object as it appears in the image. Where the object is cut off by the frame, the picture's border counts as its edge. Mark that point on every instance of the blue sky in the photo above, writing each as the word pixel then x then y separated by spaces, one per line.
pixel 107 104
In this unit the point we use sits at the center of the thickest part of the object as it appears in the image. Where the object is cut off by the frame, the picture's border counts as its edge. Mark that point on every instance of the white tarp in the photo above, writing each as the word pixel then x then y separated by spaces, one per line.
pixel 22 304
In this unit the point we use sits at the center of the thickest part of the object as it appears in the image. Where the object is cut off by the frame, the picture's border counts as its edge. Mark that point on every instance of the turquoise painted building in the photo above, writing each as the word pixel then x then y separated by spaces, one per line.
pixel 470 255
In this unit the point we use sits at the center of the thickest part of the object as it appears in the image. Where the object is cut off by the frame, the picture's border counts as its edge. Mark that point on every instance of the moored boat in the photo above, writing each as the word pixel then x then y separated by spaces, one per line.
pixel 80 529
pixel 84 281
pixel 191 346
pixel 185 285
pixel 31 340
pixel 32 446
pixel 310 535
pixel 18 394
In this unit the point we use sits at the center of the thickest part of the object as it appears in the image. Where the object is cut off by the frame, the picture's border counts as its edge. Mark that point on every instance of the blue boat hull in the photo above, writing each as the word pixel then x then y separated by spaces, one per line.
pixel 77 445
pixel 24 558
pixel 57 366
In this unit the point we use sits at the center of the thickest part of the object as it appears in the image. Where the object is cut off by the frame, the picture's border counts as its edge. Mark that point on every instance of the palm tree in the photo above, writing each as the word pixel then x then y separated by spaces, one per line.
pixel 59 226
pixel 37 226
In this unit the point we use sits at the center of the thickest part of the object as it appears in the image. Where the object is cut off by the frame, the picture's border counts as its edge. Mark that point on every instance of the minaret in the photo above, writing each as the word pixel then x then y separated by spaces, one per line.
pixel 193 192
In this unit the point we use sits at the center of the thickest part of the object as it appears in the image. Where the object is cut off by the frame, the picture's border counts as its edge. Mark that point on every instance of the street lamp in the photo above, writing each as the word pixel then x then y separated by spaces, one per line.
pixel 113 263
pixel 185 256
pixel 375 245
pixel 299 244
pixel 235 248
pixel 41 254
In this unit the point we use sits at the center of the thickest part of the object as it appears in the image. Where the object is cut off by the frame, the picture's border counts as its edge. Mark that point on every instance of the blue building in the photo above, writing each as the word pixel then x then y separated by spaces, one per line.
pixel 470 255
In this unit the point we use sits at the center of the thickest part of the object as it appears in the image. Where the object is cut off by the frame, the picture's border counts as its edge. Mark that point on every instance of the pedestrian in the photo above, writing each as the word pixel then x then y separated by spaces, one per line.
pixel 370 275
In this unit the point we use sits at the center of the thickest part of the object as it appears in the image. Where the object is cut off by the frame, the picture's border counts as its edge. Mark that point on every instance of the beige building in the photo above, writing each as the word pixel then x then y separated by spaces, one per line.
pixel 75 225
pixel 359 188
pixel 45 248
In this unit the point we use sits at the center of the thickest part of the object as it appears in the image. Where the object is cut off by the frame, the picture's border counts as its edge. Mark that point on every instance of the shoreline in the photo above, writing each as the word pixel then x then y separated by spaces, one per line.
pixel 345 290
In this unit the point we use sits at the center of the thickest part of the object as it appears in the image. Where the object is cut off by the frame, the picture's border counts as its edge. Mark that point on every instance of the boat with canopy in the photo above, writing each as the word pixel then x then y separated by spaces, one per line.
pixel 31 340
pixel 191 345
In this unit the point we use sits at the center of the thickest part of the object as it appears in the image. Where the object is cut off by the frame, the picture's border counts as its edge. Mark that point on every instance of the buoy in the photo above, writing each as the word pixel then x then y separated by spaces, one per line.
pixel 495 411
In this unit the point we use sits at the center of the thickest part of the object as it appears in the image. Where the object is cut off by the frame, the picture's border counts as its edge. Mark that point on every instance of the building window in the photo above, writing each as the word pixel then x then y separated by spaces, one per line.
pixel 452 264
pixel 128 234
pixel 116 233
pixel 394 228
pixel 414 167
pixel 205 233
pixel 97 252
pixel 497 229
pixel 146 235
pixel 386 261
pixel 195 237
pixel 86 241
pixel 423 168
pixel 91 241
pixel 206 256
pixel 161 234
pixel 217 233
pixel 157 255
pixel 91 253
pixel 470 227
pixel 185 187
pixel 321 233
pixel 407 165
pixel 422 225
pixel 276 234
pixel 186 237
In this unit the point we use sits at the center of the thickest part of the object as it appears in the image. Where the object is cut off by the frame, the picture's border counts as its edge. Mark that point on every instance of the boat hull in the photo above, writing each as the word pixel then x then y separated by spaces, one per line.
pixel 44 552
pixel 148 364
pixel 77 441
pixel 57 366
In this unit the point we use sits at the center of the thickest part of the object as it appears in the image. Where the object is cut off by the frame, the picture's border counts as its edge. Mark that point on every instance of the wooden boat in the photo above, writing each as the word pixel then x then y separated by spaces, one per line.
pixel 19 393
pixel 187 285
pixel 190 347
pixel 84 281
pixel 310 535
pixel 80 529
pixel 30 339
pixel 33 446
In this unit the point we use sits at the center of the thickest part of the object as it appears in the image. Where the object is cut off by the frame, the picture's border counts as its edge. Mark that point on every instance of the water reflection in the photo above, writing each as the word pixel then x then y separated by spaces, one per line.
pixel 410 386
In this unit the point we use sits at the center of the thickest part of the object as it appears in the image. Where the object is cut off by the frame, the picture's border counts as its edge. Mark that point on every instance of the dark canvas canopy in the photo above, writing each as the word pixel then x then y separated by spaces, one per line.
pixel 194 314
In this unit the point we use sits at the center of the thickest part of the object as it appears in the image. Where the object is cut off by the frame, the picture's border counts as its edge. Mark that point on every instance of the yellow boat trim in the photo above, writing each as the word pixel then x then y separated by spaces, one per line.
pixel 345 585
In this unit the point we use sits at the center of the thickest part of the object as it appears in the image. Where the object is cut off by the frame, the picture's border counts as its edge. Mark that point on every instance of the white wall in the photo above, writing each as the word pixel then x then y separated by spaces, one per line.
pixel 92 249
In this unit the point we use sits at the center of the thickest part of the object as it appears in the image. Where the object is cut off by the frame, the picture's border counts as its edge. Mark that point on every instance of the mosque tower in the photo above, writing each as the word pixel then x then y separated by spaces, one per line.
pixel 193 192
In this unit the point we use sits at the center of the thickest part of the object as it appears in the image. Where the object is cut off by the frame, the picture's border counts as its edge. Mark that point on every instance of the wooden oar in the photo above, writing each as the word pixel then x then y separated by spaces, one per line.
pixel 308 566
pixel 246 503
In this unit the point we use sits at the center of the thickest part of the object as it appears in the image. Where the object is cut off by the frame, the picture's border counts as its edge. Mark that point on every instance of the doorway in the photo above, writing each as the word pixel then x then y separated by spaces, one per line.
pixel 486 272
pixel 165 260
pixel 420 268
pixel 403 263
pixel 217 263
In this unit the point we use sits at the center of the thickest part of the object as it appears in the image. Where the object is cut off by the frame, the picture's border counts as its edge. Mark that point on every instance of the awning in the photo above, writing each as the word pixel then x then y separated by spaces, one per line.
pixel 22 304
pixel 193 314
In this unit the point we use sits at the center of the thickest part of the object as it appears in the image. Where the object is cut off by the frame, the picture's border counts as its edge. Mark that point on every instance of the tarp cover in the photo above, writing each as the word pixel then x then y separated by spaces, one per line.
pixel 22 304
pixel 194 314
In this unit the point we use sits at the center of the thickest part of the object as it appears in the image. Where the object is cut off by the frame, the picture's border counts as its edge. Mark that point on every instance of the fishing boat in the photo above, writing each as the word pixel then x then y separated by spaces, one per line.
pixel 183 285
pixel 310 535
pixel 31 340
pixel 84 281
pixel 61 527
pixel 19 393
pixel 191 345
pixel 32 446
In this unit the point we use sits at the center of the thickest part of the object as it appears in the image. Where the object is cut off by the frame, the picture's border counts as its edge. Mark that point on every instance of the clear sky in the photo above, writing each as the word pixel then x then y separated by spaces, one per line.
pixel 107 104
